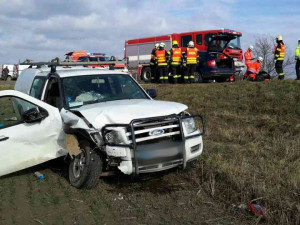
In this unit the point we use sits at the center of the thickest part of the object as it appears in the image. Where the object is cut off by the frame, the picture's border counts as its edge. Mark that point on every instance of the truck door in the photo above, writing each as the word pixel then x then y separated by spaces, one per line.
pixel 29 132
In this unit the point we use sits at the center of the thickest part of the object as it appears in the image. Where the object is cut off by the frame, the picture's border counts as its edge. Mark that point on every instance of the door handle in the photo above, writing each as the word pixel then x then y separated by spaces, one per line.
pixel 3 138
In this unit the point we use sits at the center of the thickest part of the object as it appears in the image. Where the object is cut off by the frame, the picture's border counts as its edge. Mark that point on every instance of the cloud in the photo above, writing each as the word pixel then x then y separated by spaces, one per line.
pixel 42 30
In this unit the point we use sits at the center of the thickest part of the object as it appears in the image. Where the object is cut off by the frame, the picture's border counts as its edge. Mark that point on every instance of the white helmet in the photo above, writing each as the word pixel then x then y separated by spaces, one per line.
pixel 279 37
pixel 260 59
pixel 162 45
pixel 299 39
pixel 156 45
pixel 191 44
pixel 251 47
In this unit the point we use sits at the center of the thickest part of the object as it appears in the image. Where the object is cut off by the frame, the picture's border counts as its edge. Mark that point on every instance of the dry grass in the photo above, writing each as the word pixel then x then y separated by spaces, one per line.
pixel 252 150
pixel 252 145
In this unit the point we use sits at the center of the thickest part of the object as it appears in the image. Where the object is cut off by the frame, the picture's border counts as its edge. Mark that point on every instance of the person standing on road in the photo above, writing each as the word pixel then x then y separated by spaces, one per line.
pixel 162 63
pixel 297 59
pixel 153 65
pixel 279 54
pixel 248 58
pixel 190 63
pixel 175 61
pixel 5 73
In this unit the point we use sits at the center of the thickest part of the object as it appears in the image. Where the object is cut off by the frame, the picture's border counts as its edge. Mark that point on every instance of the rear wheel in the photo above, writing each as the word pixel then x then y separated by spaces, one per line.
pixel 8 78
pixel 85 168
pixel 146 75
pixel 198 77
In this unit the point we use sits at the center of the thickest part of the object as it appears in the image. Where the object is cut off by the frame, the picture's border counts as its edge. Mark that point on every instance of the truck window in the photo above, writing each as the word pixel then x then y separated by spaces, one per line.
pixel 199 39
pixel 37 87
pixel 208 38
pixel 185 40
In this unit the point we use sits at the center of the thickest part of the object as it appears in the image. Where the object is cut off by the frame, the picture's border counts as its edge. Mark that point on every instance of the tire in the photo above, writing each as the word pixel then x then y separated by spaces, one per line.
pixel 8 78
pixel 146 75
pixel 198 77
pixel 85 168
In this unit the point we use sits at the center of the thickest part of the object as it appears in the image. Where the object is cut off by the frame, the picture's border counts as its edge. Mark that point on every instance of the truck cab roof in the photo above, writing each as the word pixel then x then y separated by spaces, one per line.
pixel 27 76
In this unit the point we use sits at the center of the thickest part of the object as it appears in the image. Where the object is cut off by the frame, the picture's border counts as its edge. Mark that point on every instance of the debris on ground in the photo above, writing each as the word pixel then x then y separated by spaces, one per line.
pixel 39 175
pixel 251 208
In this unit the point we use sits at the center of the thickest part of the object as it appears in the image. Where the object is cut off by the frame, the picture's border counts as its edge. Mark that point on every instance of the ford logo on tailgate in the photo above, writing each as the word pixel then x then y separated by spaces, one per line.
pixel 156 132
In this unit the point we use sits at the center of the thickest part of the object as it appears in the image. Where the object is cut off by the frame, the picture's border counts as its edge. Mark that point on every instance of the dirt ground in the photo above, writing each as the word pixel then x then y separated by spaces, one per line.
pixel 173 197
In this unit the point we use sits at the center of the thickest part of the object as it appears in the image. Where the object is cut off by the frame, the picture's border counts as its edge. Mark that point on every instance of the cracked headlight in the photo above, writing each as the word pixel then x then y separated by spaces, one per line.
pixel 115 137
pixel 190 125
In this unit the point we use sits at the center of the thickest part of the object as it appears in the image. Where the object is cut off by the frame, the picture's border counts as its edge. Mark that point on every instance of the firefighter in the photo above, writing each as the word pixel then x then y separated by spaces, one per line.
pixel 191 60
pixel 175 62
pixel 162 63
pixel 253 68
pixel 248 58
pixel 279 54
pixel 5 73
pixel 297 58
pixel 153 65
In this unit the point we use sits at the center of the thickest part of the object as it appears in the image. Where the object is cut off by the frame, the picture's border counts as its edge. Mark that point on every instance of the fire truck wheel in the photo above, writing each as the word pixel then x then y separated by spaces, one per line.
pixel 198 77
pixel 146 75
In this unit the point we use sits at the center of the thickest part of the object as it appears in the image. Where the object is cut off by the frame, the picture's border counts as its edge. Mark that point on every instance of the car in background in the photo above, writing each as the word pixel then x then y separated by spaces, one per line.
pixel 102 57
pixel 74 56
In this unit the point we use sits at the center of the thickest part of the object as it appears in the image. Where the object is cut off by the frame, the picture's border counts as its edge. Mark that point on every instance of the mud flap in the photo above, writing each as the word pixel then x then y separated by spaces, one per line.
pixel 72 145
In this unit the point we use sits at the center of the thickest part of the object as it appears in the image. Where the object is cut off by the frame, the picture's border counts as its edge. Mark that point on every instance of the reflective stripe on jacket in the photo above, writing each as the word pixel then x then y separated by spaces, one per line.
pixel 279 51
pixel 191 55
pixel 161 55
pixel 176 56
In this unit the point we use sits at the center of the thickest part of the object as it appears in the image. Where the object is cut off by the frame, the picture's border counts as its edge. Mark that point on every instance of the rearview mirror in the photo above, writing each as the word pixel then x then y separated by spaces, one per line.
pixel 33 115
pixel 151 92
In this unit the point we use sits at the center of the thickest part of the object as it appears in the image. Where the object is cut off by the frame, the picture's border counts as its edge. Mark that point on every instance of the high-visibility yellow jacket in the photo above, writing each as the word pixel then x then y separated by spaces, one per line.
pixel 297 52
pixel 192 56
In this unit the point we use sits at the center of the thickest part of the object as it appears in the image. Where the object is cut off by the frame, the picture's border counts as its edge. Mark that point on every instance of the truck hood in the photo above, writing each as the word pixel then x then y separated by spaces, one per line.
pixel 124 111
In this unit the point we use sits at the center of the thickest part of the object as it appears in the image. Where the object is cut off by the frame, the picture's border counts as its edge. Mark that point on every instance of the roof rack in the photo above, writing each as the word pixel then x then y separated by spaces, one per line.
pixel 56 62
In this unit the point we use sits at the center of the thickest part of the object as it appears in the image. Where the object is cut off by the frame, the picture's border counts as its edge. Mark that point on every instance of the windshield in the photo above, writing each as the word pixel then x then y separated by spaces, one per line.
pixel 94 59
pixel 235 43
pixel 83 90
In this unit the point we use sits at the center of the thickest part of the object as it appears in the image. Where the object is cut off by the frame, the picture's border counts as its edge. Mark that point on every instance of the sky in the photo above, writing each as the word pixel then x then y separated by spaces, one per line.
pixel 42 30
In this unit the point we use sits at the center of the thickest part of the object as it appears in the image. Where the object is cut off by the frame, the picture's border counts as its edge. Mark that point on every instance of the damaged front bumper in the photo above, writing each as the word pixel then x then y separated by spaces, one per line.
pixel 154 144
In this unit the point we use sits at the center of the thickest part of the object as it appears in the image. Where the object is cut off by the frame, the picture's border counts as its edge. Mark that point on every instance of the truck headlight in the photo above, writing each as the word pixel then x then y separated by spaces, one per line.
pixel 115 137
pixel 190 125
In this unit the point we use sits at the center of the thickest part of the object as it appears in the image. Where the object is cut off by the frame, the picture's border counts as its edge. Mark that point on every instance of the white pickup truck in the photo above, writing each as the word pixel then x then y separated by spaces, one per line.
pixel 102 119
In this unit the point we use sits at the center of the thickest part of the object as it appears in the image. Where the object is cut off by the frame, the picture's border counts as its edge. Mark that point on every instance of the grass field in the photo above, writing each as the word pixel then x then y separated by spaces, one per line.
pixel 251 150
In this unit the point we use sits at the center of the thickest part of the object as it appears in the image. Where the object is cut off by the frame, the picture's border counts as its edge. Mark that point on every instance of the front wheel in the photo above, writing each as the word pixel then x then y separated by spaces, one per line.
pixel 146 75
pixel 85 168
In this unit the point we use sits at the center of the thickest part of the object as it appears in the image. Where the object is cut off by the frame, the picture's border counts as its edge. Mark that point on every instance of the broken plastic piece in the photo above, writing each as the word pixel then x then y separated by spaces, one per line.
pixel 39 175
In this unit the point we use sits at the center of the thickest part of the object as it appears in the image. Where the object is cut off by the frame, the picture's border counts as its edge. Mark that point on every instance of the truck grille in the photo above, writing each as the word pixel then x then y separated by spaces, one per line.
pixel 159 144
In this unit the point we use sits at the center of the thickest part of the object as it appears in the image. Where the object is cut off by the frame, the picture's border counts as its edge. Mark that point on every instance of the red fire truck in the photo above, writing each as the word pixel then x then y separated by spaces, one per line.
pixel 215 63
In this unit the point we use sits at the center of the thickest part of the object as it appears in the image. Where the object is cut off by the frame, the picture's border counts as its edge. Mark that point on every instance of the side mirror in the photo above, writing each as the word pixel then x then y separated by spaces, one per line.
pixel 33 115
pixel 151 92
